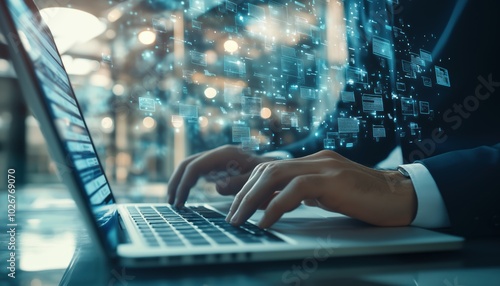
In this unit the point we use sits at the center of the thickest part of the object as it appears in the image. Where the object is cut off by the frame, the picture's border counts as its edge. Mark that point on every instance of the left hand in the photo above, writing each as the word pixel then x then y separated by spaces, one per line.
pixel 330 181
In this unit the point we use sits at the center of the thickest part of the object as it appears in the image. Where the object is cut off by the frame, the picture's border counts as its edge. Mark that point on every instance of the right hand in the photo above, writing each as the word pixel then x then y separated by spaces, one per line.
pixel 228 166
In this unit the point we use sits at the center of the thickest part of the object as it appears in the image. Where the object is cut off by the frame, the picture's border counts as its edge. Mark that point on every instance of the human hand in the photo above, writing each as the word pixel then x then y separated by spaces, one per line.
pixel 228 166
pixel 330 181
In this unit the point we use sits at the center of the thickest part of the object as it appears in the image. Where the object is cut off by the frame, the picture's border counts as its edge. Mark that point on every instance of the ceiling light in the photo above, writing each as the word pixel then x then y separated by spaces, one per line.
pixel 118 89
pixel 231 46
pixel 210 92
pixel 147 37
pixel 149 122
pixel 107 124
pixel 79 66
pixel 265 113
pixel 114 15
pixel 71 26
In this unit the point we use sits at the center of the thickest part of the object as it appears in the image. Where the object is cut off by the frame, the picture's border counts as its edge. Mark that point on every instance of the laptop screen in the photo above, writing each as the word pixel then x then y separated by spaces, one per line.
pixel 51 80
pixel 60 99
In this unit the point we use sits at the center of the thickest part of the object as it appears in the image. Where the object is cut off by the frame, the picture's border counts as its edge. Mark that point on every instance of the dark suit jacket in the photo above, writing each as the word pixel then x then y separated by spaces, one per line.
pixel 469 184
pixel 455 117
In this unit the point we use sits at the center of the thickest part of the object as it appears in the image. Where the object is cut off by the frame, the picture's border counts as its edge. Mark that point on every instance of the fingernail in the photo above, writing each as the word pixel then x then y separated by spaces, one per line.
pixel 234 219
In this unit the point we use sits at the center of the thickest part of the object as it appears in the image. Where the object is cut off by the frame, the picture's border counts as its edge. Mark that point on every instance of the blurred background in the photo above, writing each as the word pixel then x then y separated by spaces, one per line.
pixel 158 80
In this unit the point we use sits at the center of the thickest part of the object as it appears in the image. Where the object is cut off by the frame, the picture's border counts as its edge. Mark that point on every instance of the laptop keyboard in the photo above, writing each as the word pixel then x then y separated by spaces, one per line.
pixel 194 226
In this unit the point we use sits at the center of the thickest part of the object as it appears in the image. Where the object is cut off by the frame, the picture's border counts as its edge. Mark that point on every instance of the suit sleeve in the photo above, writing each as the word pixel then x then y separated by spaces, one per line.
pixel 469 182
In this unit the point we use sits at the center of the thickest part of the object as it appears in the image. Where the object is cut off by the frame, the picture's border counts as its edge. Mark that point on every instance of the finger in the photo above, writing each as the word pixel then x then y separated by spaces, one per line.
pixel 300 189
pixel 218 159
pixel 231 184
pixel 176 177
pixel 264 205
pixel 274 176
pixel 254 177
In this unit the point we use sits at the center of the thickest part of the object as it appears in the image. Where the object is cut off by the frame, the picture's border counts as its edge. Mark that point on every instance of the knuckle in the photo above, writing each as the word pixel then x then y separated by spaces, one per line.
pixel 301 182
pixel 239 196
pixel 272 169
pixel 329 154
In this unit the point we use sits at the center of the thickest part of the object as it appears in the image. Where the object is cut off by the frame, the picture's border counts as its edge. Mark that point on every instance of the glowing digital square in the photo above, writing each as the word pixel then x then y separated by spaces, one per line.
pixel 240 132
pixel 424 107
pixel 289 66
pixel 372 103
pixel 348 125
pixel 332 135
pixel 308 93
pixel 231 6
pixel 347 96
pixel 188 111
pixel 408 106
pixel 289 119
pixel 401 86
pixel 159 25
pixel 251 105
pixel 406 66
pixel 196 24
pixel 288 52
pixel 198 58
pixel 442 76
pixel 232 93
pixel 427 81
pixel 250 143
pixel 414 129
pixel 356 75
pixel 378 131
pixel 234 65
pixel 382 47
pixel 329 144
pixel 146 104
pixel 277 11
pixel 303 27
pixel 409 68
pixel 198 5
pixel 256 12
pixel 425 55
pixel 416 59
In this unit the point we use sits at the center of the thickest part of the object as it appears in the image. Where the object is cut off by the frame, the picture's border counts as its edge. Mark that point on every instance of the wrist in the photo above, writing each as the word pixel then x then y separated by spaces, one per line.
pixel 402 186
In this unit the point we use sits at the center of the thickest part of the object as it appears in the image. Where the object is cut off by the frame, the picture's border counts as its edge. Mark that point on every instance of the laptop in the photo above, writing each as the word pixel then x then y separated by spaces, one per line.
pixel 153 235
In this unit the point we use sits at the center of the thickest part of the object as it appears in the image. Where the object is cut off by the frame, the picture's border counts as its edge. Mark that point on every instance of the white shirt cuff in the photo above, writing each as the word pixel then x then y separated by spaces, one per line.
pixel 431 211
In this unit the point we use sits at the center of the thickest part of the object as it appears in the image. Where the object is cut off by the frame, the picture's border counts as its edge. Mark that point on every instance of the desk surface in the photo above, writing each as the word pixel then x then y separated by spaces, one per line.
pixel 53 248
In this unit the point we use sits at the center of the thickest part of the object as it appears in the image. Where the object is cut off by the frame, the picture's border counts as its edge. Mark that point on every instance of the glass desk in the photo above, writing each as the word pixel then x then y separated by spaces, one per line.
pixel 53 248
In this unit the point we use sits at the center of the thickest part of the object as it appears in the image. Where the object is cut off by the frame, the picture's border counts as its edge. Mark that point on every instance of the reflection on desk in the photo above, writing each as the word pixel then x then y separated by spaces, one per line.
pixel 55 249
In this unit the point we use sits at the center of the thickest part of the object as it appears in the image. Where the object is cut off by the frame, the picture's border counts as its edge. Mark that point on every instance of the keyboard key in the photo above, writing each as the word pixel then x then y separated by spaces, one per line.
pixel 201 241
pixel 172 224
